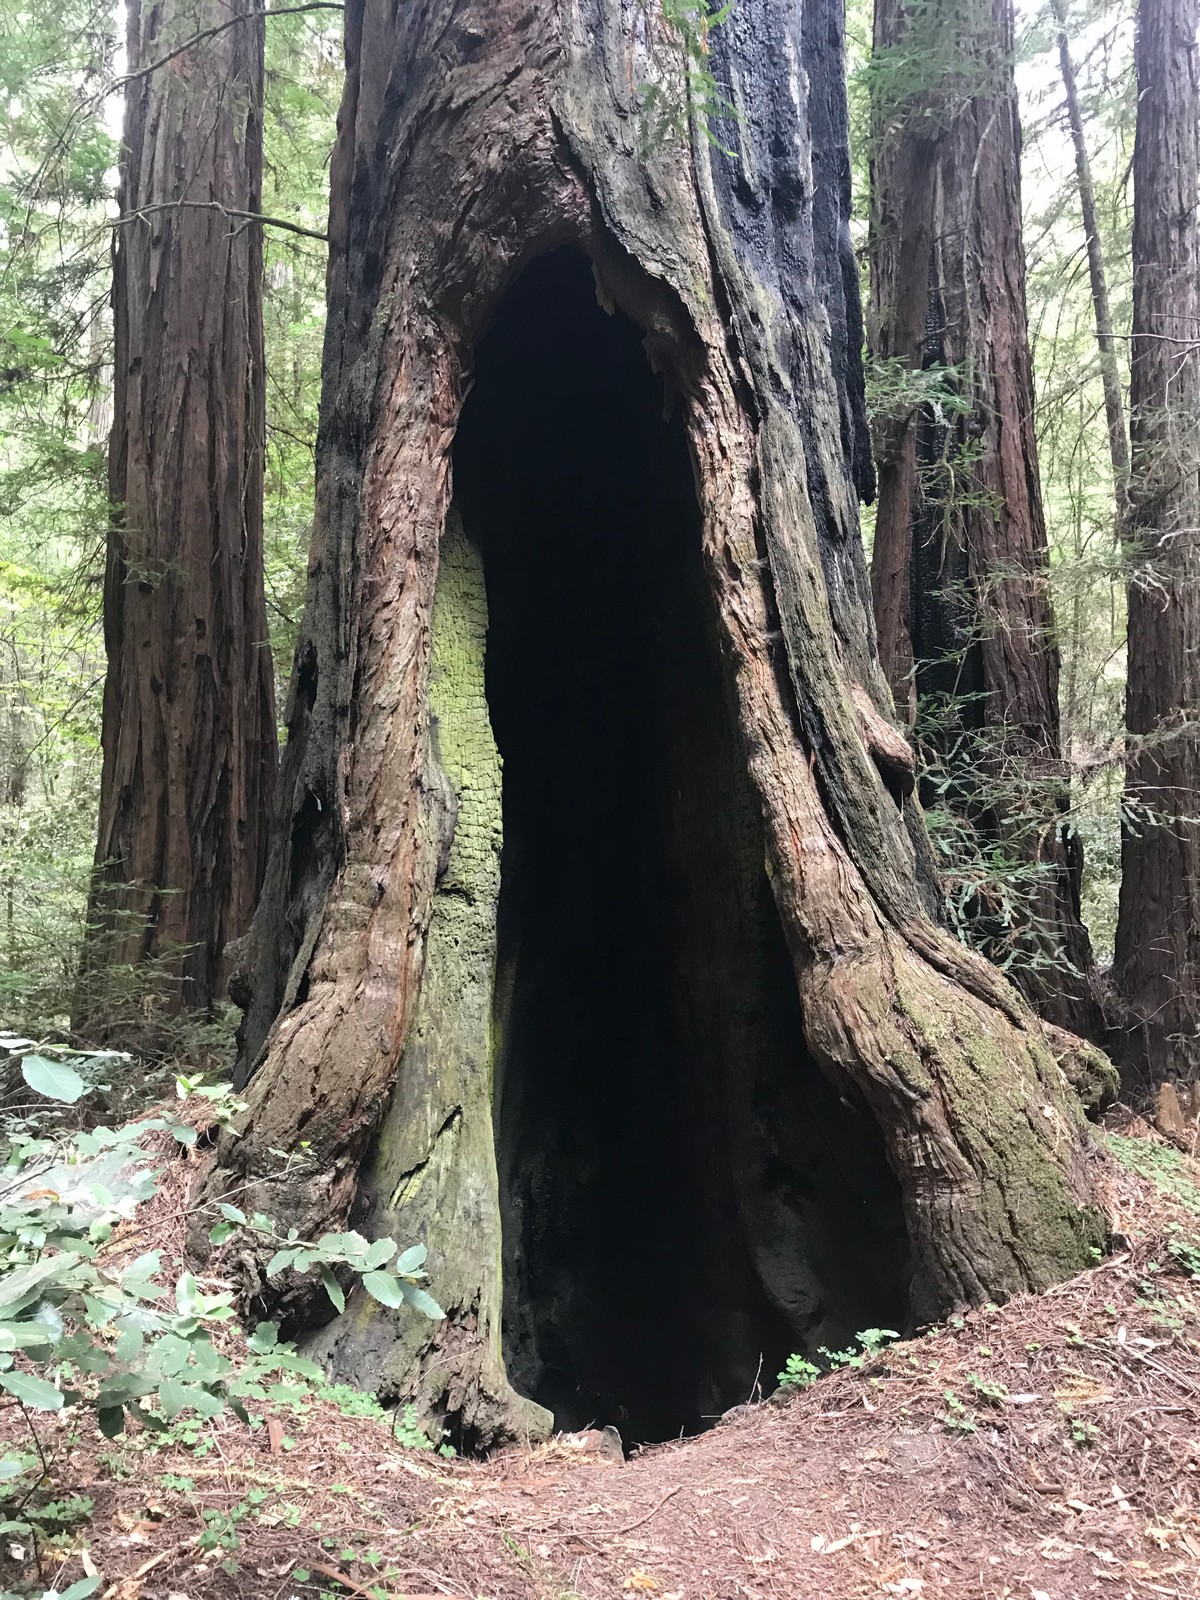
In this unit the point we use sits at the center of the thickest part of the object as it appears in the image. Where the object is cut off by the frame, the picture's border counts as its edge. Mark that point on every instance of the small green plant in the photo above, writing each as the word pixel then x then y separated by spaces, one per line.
pixel 1083 1433
pixel 957 1418
pixel 408 1432
pixel 992 1394
pixel 798 1373
pixel 870 1342
pixel 1165 1167
pixel 220 1528
pixel 1185 1251
pixel 350 1402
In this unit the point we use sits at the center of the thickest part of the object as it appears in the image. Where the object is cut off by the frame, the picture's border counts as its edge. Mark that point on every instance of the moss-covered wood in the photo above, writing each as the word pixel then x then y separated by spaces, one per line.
pixel 475 138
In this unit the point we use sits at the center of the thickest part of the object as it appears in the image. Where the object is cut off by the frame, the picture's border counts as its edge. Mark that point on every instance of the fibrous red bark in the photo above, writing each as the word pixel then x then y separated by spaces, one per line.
pixel 1110 372
pixel 960 569
pixel 189 718
pixel 1157 964
pixel 473 140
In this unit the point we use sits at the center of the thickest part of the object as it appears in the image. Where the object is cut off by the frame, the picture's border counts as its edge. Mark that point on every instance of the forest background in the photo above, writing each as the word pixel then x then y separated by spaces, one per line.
pixel 60 109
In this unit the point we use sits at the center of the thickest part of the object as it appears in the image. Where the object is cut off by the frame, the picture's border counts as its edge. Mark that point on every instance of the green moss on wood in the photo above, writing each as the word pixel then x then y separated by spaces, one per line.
pixel 431 1175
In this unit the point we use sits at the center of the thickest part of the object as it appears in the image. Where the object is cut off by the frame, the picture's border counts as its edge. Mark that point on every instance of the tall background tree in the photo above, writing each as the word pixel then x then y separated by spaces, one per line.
pixel 189 720
pixel 1157 967
pixel 960 571
pixel 1110 369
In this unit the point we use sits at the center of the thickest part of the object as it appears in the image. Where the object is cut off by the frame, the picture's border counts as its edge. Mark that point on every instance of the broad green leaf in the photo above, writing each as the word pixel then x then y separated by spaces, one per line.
pixel 208 1362
pixel 49 1318
pixel 280 1260
pixel 335 1245
pixel 174 1396
pixel 290 1361
pixel 99 1312
pixel 232 1214
pixel 16 1288
pixel 30 1391
pixel 208 1404
pixel 379 1253
pixel 81 1589
pixel 147 1418
pixel 111 1420
pixel 129 1344
pixel 187 1295
pixel 265 1337
pixel 123 1386
pixel 54 1079
pixel 333 1288
pixel 422 1302
pixel 220 1231
pixel 384 1288
pixel 169 1355
pixel 10 1468
pixel 412 1259
pixel 25 1336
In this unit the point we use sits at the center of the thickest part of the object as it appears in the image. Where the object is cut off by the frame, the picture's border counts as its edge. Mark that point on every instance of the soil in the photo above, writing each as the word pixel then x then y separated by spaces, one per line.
pixel 1046 1448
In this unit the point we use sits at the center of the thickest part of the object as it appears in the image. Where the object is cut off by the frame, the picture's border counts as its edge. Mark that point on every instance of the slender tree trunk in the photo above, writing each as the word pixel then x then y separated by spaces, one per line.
pixel 1110 372
pixel 960 566
pixel 599 962
pixel 1157 966
pixel 189 724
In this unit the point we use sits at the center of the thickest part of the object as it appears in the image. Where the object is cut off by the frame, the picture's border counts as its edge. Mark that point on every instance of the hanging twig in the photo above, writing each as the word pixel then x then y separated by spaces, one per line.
pixel 226 211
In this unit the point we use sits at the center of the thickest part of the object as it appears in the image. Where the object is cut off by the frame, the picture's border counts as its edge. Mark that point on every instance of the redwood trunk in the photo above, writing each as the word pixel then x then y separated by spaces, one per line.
pixel 590 877
pixel 1110 372
pixel 1157 966
pixel 189 721
pixel 960 564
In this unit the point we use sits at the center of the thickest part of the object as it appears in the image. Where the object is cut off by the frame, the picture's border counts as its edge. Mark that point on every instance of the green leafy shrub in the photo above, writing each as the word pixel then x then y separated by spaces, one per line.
pixel 799 1373
pixel 76 1331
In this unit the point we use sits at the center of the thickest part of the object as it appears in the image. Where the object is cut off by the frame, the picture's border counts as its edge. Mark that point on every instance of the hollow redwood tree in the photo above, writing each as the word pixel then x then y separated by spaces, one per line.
pixel 189 719
pixel 592 950
pixel 960 564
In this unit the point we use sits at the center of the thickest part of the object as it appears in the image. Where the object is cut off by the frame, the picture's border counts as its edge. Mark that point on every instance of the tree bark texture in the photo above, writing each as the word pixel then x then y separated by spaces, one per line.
pixel 473 139
pixel 960 565
pixel 189 719
pixel 1110 372
pixel 1157 965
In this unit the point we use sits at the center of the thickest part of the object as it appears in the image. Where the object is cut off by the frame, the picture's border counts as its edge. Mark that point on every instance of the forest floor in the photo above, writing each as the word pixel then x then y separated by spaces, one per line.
pixel 1046 1448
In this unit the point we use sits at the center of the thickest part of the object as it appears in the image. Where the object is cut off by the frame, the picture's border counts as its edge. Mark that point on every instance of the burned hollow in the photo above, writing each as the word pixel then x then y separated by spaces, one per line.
pixel 684 1198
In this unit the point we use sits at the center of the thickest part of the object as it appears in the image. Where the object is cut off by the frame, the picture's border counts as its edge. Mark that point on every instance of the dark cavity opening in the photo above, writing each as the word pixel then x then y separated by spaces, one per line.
pixel 685 1199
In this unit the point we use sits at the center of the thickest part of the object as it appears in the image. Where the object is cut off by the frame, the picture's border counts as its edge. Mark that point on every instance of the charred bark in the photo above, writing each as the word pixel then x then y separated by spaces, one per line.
pixel 189 718
pixel 960 566
pixel 1157 965
pixel 745 779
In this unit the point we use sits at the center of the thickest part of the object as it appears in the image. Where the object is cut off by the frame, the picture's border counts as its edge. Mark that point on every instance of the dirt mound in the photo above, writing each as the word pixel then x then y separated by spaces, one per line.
pixel 1046 1448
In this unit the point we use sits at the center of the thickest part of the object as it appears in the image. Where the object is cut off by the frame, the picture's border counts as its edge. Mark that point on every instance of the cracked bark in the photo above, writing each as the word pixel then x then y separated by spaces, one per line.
pixel 189 716
pixel 1157 963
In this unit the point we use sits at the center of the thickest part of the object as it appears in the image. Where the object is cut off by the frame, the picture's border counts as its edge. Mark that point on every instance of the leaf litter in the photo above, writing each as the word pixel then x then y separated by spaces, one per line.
pixel 1048 1449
